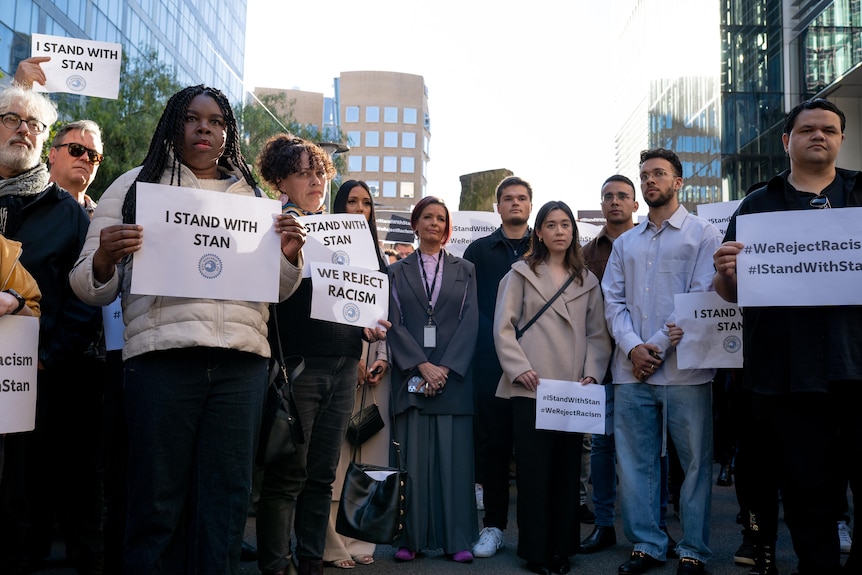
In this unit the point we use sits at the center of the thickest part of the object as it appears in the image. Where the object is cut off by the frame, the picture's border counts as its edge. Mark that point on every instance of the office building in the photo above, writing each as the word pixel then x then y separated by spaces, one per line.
pixel 189 36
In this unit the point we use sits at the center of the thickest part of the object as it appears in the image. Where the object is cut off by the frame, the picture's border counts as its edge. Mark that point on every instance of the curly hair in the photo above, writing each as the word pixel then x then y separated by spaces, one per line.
pixel 538 251
pixel 167 143
pixel 339 206
pixel 281 156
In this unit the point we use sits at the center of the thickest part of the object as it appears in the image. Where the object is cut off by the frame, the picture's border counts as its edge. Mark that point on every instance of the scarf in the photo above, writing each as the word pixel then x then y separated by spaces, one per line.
pixel 14 191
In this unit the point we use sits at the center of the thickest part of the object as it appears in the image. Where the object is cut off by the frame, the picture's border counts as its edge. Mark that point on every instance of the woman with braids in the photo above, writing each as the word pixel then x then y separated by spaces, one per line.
pixel 195 369
pixel 297 492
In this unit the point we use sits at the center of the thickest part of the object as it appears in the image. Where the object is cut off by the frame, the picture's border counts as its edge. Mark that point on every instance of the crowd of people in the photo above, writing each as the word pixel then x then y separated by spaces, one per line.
pixel 147 463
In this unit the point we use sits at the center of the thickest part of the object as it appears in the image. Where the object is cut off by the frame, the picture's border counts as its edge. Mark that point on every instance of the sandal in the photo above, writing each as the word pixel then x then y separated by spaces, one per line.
pixel 363 559
pixel 342 563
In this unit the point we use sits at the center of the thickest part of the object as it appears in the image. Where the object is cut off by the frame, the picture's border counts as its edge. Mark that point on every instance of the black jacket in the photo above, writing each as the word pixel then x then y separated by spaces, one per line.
pixel 52 233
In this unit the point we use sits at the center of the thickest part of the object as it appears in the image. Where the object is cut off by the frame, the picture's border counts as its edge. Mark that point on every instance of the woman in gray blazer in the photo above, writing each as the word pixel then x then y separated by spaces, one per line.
pixel 434 318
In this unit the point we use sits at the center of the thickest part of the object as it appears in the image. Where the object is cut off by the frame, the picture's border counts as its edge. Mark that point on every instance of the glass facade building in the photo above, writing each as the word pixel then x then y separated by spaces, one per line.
pixel 830 45
pixel 202 40
pixel 752 93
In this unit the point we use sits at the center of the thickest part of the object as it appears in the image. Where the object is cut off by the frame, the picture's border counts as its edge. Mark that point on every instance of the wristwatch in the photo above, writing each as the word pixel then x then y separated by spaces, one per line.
pixel 21 301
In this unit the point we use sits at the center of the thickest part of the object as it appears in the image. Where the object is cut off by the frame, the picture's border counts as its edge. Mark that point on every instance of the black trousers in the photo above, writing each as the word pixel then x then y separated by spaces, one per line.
pixel 549 469
pixel 806 445
pixel 493 437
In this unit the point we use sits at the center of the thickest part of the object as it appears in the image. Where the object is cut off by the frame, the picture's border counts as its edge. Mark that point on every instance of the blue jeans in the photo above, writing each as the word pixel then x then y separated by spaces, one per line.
pixel 298 492
pixel 640 410
pixel 193 418
pixel 603 468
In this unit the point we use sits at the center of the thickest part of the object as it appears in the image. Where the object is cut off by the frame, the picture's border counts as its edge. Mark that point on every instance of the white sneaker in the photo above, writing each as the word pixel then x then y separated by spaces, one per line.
pixel 480 498
pixel 844 537
pixel 490 540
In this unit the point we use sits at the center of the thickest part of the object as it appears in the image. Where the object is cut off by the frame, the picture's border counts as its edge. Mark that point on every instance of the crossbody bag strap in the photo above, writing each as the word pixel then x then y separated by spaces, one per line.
pixel 520 332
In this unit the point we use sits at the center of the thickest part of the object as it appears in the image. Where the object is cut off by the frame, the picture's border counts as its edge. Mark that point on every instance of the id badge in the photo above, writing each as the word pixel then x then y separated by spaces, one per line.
pixel 430 336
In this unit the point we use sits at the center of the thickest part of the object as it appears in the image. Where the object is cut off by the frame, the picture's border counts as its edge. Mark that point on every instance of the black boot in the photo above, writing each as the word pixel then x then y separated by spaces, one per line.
pixel 310 566
pixel 725 477
pixel 764 561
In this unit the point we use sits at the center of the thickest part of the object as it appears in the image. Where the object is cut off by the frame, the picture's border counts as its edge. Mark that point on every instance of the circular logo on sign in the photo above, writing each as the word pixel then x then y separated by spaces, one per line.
pixel 732 344
pixel 340 258
pixel 76 83
pixel 210 266
pixel 351 312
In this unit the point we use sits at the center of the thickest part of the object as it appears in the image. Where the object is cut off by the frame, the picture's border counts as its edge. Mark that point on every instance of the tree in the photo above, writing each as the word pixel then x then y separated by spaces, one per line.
pixel 127 123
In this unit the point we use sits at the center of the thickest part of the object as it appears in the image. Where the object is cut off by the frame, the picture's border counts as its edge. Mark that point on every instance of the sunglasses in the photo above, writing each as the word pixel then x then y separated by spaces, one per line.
pixel 77 150
pixel 820 202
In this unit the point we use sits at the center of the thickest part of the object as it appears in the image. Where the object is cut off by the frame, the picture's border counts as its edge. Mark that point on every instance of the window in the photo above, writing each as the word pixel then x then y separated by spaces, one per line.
pixel 408 165
pixel 390 115
pixel 372 114
pixel 351 114
pixel 409 115
pixel 372 139
pixel 389 189
pixel 407 189
pixel 408 140
pixel 354 138
pixel 374 186
pixel 390 139
pixel 354 163
pixel 372 164
pixel 390 164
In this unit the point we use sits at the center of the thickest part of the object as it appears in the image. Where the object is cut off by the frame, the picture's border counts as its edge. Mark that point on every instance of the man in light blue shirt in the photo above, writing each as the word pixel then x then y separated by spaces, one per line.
pixel 667 254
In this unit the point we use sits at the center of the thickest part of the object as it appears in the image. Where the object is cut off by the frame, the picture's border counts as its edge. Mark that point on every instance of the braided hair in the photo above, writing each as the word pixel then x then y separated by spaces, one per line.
pixel 167 144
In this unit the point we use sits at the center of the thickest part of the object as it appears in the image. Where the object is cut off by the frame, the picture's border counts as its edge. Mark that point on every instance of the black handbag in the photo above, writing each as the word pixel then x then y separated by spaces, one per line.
pixel 373 501
pixel 280 428
pixel 366 422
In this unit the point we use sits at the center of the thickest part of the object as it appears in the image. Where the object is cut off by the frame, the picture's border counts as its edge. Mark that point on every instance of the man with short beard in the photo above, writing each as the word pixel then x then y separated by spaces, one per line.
pixel 51 227
pixel 655 400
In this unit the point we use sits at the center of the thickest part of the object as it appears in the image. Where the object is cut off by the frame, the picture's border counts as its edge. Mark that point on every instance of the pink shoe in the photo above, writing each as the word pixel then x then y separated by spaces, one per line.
pixel 462 557
pixel 405 554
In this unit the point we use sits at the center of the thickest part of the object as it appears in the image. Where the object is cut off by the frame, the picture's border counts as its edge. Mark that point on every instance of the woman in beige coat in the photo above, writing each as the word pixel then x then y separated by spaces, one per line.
pixel 569 341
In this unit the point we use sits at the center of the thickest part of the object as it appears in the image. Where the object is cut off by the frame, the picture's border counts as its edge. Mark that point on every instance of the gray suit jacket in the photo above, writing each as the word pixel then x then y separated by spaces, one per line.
pixel 457 317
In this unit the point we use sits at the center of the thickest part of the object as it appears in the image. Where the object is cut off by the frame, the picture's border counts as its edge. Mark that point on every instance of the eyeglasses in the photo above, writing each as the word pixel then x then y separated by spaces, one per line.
pixel 77 150
pixel 13 121
pixel 656 174
pixel 820 202
pixel 621 196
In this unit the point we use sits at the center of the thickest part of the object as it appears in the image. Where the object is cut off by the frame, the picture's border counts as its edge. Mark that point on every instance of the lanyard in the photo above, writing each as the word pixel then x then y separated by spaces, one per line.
pixel 430 290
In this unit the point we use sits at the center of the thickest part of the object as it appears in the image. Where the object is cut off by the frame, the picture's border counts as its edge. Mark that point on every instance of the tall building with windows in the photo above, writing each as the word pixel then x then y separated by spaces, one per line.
pixel 775 54
pixel 189 35
pixel 385 118
pixel 667 92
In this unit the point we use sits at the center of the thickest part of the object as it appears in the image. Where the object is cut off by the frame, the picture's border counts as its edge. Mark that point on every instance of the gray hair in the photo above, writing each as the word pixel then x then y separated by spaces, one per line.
pixel 85 126
pixel 35 105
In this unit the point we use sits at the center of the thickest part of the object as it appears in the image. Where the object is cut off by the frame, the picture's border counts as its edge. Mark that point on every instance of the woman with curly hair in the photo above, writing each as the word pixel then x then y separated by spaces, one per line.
pixel 297 491
pixel 195 369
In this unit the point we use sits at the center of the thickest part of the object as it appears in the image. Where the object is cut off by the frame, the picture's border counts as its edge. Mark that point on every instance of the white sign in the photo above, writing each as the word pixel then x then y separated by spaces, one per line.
pixel 82 67
pixel 112 320
pixel 586 232
pixel 349 295
pixel 203 244
pixel 712 331
pixel 718 213
pixel 470 226
pixel 800 258
pixel 19 361
pixel 341 239
pixel 571 406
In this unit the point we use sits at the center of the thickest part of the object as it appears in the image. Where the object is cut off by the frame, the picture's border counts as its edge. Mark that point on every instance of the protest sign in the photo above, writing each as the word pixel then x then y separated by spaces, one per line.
pixel 202 244
pixel 394 227
pixel 570 406
pixel 19 360
pixel 77 66
pixel 586 232
pixel 112 321
pixel 712 331
pixel 800 258
pixel 342 239
pixel 349 295
pixel 718 213
pixel 469 226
